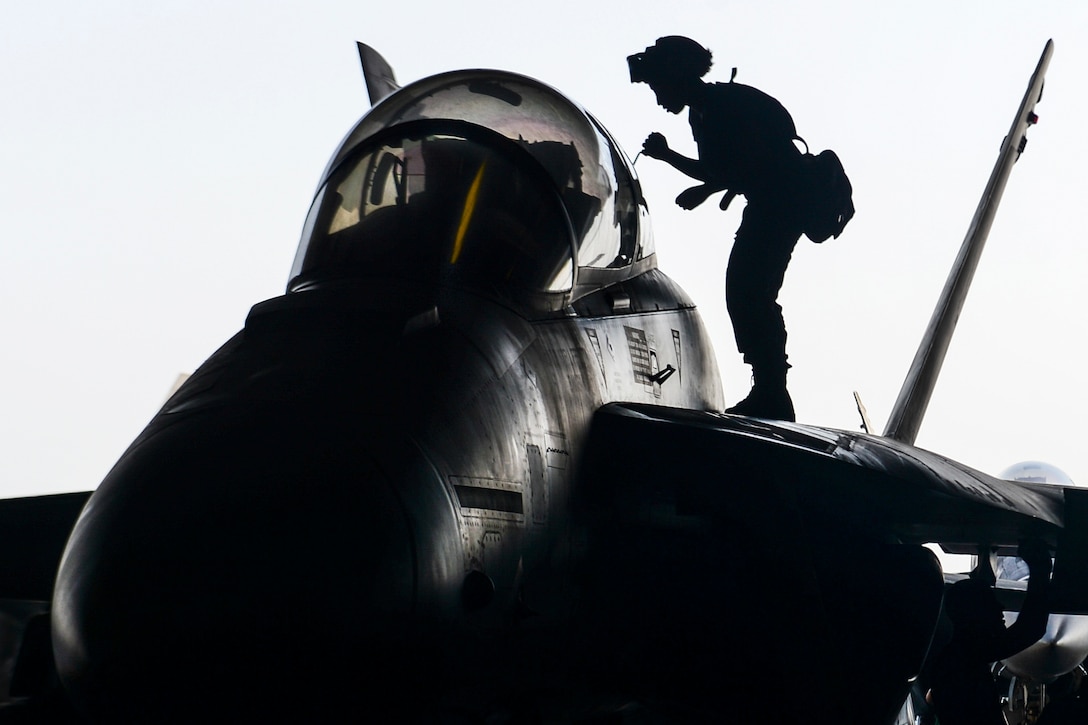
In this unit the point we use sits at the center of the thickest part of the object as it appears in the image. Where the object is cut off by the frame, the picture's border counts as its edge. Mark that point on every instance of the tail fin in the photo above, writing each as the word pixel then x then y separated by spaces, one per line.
pixel 377 72
pixel 910 406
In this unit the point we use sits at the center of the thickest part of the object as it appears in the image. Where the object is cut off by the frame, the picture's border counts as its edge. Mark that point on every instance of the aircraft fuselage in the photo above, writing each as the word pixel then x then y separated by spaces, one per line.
pixel 379 464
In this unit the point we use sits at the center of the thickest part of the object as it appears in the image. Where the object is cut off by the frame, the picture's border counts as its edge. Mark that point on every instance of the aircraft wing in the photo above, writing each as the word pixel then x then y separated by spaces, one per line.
pixel 856 481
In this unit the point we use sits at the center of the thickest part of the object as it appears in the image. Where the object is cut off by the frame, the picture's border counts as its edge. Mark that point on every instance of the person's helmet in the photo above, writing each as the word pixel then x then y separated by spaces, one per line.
pixel 671 56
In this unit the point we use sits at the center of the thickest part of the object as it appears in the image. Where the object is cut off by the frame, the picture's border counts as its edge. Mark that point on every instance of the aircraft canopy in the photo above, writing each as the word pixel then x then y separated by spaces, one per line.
pixel 481 178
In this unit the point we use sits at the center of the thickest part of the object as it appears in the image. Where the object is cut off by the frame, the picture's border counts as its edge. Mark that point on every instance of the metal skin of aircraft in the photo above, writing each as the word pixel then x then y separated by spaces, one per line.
pixel 469 469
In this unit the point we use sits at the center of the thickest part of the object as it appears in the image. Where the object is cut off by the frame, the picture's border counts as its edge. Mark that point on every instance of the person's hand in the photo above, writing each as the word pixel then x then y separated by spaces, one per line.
pixel 1036 554
pixel 655 146
pixel 693 197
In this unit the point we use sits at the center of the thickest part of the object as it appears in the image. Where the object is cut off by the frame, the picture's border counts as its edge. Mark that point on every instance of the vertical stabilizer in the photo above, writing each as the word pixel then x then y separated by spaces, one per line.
pixel 910 406
pixel 377 72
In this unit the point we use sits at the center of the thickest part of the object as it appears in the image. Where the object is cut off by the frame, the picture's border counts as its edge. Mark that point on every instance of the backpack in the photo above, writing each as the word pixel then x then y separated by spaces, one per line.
pixel 826 196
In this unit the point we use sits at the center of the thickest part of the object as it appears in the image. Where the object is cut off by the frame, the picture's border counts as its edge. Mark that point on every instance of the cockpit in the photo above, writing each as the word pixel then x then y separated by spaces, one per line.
pixel 483 179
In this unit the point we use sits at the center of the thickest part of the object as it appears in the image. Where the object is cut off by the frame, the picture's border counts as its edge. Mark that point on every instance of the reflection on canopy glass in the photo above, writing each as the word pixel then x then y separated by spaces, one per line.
pixel 587 169
pixel 456 205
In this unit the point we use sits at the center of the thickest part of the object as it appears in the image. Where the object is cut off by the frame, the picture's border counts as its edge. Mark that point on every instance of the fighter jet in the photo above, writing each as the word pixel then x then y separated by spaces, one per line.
pixel 470 468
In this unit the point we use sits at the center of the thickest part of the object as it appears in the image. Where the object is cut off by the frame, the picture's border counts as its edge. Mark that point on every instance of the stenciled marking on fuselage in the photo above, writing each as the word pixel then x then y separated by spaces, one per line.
pixel 489 498
pixel 595 343
pixel 640 354
pixel 556 453
pixel 679 356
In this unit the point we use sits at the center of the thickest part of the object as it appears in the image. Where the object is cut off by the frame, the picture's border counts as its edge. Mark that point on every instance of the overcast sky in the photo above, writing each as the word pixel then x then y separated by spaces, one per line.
pixel 157 160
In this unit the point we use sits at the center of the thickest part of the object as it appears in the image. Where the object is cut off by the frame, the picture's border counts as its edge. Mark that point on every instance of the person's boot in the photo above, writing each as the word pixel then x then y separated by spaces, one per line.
pixel 768 397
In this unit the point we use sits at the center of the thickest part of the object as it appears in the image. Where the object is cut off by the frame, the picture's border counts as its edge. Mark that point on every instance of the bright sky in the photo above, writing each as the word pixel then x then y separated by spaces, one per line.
pixel 157 160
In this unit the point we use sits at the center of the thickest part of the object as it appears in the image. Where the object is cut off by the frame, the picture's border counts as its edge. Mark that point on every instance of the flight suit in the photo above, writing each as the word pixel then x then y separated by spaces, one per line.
pixel 745 138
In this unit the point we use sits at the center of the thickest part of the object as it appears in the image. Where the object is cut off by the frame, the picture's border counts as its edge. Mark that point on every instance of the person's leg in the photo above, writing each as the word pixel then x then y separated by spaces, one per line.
pixel 757 267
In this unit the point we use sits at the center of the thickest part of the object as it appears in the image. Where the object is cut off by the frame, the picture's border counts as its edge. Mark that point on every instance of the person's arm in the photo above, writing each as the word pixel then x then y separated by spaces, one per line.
pixel 656 147
pixel 1030 624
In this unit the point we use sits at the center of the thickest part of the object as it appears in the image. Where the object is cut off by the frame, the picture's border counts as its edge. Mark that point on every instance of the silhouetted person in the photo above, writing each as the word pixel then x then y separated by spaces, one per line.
pixel 1068 701
pixel 746 146
pixel 963 689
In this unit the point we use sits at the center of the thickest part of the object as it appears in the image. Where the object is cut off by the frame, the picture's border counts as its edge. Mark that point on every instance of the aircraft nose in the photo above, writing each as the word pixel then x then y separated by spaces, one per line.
pixel 241 549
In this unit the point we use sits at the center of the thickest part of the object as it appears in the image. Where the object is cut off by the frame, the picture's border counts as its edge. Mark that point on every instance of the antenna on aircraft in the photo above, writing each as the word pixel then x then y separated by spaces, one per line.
pixel 380 81
pixel 866 424
pixel 910 406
